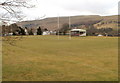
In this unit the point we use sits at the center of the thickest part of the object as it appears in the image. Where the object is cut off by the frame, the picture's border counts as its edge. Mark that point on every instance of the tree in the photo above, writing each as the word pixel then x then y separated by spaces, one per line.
pixel 91 31
pixel 22 31
pixel 45 29
pixel 39 31
pixel 64 29
pixel 31 32
pixel 105 31
pixel 12 10
pixel 3 30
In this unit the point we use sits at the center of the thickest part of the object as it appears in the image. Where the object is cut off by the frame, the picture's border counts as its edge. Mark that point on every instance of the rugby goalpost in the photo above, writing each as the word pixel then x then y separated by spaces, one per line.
pixel 59 27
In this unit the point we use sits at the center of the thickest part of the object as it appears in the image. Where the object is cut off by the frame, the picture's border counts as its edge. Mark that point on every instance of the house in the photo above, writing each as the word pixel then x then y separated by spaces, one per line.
pixel 46 33
pixel 78 32
pixel 100 35
pixel 10 34
pixel 26 31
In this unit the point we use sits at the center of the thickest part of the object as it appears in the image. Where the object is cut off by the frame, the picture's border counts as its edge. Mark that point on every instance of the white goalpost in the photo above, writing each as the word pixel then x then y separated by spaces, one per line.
pixel 58 19
pixel 69 28
pixel 58 26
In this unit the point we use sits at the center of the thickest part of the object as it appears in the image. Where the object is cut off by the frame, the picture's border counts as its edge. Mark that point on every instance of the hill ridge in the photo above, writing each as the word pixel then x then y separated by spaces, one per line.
pixel 78 21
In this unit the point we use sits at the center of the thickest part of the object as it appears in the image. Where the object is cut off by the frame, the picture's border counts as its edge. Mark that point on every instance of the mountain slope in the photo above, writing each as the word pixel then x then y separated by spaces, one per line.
pixel 76 21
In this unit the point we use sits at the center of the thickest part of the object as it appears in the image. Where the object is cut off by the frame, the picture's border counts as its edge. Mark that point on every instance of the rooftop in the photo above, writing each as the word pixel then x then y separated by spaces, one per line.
pixel 78 30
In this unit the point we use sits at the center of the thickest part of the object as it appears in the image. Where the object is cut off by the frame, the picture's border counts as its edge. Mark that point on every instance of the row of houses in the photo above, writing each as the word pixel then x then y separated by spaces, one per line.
pixel 26 32
pixel 17 30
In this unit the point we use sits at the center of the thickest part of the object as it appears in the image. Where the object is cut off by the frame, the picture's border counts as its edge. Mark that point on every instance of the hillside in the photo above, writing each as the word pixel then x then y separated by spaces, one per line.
pixel 108 21
pixel 76 21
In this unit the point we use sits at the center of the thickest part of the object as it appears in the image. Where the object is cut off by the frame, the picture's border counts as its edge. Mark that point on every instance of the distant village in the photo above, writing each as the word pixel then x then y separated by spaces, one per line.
pixel 14 29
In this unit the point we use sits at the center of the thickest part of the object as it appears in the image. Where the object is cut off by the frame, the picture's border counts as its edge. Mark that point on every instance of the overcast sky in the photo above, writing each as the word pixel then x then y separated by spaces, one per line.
pixel 53 8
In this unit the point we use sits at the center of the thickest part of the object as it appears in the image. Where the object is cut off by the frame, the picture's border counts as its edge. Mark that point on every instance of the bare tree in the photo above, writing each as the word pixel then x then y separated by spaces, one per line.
pixel 12 9
pixel 12 12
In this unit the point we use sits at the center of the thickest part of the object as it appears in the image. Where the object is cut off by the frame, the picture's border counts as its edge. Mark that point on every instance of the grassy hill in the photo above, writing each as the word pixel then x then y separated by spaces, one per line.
pixel 76 21
pixel 108 21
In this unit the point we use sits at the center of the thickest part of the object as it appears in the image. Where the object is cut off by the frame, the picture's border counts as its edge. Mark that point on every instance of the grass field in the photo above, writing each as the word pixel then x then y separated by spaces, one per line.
pixel 45 58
